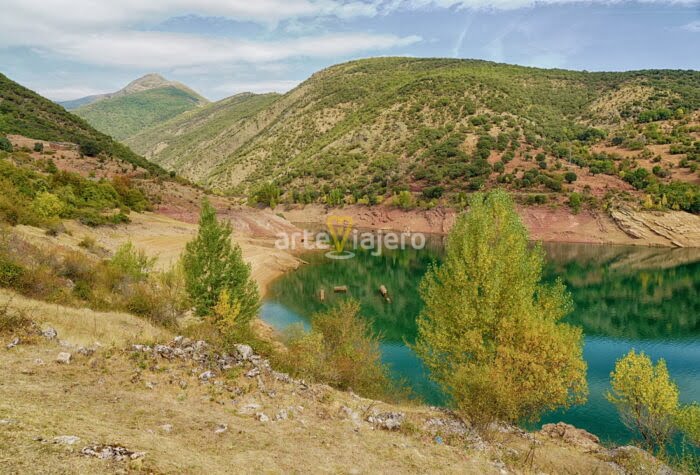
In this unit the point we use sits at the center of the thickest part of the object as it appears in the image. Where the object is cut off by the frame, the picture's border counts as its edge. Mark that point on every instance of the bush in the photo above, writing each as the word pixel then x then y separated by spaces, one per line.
pixel 490 331
pixel 10 273
pixel 575 201
pixel 645 397
pixel 268 195
pixel 433 192
pixel 132 262
pixel 90 149
pixel 38 147
pixel 340 350
pixel 570 177
pixel 5 145
pixel 404 200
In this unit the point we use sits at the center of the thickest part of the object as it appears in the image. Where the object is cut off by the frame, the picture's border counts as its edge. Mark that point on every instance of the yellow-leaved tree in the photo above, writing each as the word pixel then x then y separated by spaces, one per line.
pixel 490 331
pixel 645 397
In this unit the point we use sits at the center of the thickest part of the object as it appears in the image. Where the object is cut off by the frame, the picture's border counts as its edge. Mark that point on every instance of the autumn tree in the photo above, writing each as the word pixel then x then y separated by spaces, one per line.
pixel 645 397
pixel 490 331
pixel 216 273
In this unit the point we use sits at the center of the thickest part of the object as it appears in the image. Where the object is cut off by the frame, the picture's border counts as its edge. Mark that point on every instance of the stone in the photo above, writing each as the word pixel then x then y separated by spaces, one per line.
pixel 221 428
pixel 349 413
pixel 4 422
pixel 111 452
pixel 253 373
pixel 63 358
pixel 262 417
pixel 244 352
pixel 13 343
pixel 183 384
pixel 282 415
pixel 39 362
pixel 387 420
pixel 86 351
pixel 166 428
pixel 207 375
pixel 572 436
pixel 50 333
pixel 66 439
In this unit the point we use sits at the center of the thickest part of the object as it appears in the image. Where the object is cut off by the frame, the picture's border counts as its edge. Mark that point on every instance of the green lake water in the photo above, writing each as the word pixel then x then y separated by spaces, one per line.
pixel 625 297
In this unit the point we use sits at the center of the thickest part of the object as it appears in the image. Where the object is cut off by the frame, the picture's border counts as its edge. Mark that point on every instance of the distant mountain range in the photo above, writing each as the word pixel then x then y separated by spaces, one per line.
pixel 145 102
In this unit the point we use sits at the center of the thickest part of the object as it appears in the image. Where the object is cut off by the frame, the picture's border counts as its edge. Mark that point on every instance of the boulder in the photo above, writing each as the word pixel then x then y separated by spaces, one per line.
pixel 244 352
pixel 572 436
pixel 387 420
pixel 63 358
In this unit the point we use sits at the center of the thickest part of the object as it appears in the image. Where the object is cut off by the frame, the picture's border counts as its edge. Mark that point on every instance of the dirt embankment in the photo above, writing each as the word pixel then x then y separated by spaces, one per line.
pixel 622 226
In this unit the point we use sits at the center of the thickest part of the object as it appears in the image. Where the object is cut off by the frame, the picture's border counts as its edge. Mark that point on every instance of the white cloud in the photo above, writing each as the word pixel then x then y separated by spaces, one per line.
pixel 157 50
pixel 69 92
pixel 503 4
pixel 693 26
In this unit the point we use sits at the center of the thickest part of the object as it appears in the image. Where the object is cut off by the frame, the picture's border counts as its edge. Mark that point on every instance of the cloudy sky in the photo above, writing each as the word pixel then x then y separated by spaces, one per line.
pixel 66 49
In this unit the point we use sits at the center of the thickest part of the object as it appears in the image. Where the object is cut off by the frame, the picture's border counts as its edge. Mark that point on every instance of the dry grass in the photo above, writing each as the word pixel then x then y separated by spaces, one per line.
pixel 113 397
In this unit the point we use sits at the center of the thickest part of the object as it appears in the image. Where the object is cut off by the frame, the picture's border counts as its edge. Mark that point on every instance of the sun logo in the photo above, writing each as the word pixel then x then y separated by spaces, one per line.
pixel 339 228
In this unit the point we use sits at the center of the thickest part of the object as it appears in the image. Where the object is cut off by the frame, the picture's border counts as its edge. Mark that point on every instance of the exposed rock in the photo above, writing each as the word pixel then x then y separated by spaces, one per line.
pixel 141 348
pixel 111 452
pixel 249 408
pixel 86 351
pixel 166 428
pixel 207 375
pixel 63 358
pixel 221 428
pixel 447 426
pixel 244 351
pixel 13 343
pixel 282 415
pixel 4 422
pixel 50 333
pixel 66 439
pixel 387 420
pixel 262 417
pixel 572 436
pixel 253 373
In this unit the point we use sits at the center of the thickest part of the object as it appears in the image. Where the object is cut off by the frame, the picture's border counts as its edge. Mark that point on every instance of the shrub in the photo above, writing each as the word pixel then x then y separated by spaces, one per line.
pixel 404 200
pixel 570 177
pixel 5 145
pixel 645 397
pixel 38 147
pixel 490 331
pixel 212 264
pixel 340 350
pixel 433 192
pixel 132 262
pixel 10 272
pixel 575 201
pixel 47 205
pixel 268 195
pixel 90 149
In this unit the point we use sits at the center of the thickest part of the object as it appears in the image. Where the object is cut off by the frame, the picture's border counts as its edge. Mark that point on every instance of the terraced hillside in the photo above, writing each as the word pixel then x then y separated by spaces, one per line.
pixel 364 130
pixel 24 112
pixel 145 102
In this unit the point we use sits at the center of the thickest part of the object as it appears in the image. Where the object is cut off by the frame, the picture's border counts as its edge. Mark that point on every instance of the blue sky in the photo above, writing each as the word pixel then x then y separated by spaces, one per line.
pixel 66 49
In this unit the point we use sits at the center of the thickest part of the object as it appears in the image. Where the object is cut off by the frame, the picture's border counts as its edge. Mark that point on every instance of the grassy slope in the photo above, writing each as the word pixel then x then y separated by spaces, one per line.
pixel 114 397
pixel 357 124
pixel 201 133
pixel 26 113
pixel 126 115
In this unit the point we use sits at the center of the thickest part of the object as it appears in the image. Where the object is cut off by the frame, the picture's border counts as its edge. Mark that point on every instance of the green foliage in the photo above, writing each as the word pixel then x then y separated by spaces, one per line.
pixel 340 350
pixel 570 177
pixel 126 115
pixel 688 422
pixel 132 262
pixel 490 331
pixel 26 113
pixel 268 194
pixel 214 264
pixel 404 200
pixel 575 201
pixel 38 147
pixel 645 397
pixel 5 144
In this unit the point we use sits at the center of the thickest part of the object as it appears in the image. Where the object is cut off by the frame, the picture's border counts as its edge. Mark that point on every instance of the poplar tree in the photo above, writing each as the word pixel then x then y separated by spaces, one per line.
pixel 490 331
pixel 214 266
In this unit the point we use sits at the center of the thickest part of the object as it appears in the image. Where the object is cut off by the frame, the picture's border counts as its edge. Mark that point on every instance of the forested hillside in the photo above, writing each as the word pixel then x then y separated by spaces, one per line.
pixel 436 128
pixel 24 112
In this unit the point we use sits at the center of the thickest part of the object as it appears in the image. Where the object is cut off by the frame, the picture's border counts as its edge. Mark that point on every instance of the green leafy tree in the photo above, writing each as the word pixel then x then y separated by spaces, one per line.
pixel 645 397
pixel 267 194
pixel 490 331
pixel 570 177
pixel 688 422
pixel 213 264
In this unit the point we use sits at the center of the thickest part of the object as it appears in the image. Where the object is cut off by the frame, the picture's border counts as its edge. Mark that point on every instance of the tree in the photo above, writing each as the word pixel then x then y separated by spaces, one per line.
pixel 490 331
pixel 645 397
pixel 90 149
pixel 268 194
pixel 570 177
pixel 688 422
pixel 214 264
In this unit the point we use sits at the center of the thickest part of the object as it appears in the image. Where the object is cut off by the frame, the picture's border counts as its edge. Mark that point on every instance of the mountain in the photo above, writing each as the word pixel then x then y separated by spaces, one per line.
pixel 24 112
pixel 205 136
pixel 143 103
pixel 373 127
